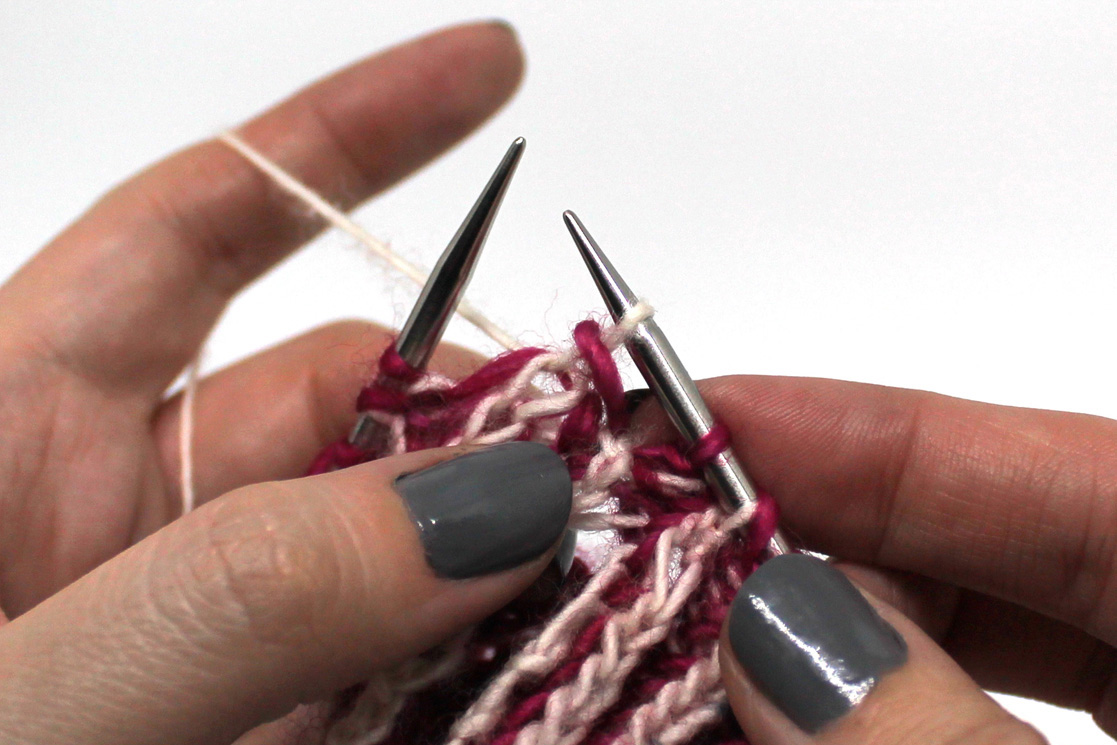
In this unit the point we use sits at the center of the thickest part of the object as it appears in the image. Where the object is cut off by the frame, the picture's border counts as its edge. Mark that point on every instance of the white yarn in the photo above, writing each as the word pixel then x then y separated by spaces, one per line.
pixel 574 708
pixel 186 433
pixel 681 708
pixel 341 221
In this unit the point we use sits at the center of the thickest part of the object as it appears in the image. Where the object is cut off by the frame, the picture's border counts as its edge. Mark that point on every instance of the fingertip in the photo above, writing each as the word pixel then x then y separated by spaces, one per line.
pixel 489 67
pixel 807 656
pixel 506 39
pixel 810 640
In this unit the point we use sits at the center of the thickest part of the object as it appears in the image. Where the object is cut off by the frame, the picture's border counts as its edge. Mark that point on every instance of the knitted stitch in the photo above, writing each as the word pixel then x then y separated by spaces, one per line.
pixel 625 649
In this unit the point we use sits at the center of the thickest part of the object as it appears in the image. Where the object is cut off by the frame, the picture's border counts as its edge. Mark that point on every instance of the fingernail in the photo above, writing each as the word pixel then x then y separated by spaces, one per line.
pixel 489 510
pixel 809 639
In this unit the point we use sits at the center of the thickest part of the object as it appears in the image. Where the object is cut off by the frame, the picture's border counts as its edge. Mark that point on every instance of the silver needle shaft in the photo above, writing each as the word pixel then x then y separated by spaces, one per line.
pixel 447 282
pixel 667 377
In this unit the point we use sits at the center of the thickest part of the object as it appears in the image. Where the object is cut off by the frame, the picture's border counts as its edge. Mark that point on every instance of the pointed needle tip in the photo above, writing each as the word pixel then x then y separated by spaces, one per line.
pixel 614 290
pixel 583 241
pixel 512 157
pixel 446 283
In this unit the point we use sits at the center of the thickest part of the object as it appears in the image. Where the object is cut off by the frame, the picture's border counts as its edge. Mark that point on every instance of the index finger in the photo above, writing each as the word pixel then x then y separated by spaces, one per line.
pixel 124 297
pixel 1016 503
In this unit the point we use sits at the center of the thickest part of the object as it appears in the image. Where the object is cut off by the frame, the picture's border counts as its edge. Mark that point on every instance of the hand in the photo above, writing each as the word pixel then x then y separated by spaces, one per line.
pixel 277 593
pixel 984 535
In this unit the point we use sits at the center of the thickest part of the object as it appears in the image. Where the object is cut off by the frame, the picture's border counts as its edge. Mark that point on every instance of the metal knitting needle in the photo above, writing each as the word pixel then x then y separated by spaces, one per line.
pixel 667 377
pixel 446 283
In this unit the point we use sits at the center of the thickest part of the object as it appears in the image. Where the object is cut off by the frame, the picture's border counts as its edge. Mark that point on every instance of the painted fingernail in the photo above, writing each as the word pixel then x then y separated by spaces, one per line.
pixel 810 640
pixel 489 510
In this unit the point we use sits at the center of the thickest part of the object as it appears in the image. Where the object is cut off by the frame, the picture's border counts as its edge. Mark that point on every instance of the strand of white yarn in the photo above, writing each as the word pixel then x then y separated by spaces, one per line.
pixel 681 708
pixel 186 431
pixel 336 219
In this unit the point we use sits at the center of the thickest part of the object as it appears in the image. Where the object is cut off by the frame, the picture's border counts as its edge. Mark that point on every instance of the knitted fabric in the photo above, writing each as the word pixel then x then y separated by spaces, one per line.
pixel 625 649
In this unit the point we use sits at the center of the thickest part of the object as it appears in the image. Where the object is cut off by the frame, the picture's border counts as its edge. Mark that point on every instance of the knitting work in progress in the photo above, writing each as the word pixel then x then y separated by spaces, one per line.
pixel 625 649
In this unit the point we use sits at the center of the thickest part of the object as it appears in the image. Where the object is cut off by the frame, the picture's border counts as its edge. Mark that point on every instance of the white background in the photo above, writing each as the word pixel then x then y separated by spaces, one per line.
pixel 913 194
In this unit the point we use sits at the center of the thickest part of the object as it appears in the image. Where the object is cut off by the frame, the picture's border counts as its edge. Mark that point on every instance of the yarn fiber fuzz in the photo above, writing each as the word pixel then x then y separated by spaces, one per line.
pixel 625 649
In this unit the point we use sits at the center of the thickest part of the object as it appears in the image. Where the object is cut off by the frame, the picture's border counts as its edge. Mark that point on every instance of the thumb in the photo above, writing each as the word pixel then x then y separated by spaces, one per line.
pixel 281 593
pixel 807 659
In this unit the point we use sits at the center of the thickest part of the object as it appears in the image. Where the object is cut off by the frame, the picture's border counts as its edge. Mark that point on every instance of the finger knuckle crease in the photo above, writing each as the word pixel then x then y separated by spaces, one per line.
pixel 269 575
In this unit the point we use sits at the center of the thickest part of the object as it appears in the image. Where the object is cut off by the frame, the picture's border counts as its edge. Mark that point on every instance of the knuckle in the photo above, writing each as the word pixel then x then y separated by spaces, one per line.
pixel 350 156
pixel 219 257
pixel 270 571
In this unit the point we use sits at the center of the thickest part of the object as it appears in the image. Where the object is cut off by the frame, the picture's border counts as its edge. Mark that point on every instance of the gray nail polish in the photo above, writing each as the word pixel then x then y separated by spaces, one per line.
pixel 809 639
pixel 490 510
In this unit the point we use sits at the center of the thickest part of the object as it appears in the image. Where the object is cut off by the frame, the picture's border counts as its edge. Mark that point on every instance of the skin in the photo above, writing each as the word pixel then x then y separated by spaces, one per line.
pixel 983 534
pixel 990 527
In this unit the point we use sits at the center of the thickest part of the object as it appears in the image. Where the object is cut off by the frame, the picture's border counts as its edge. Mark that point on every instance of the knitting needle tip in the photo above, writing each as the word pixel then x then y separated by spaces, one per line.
pixel 447 282
pixel 616 293
pixel 663 370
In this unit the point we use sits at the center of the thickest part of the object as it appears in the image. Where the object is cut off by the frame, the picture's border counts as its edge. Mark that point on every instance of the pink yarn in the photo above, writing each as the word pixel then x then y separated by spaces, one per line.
pixel 606 378
pixel 623 652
